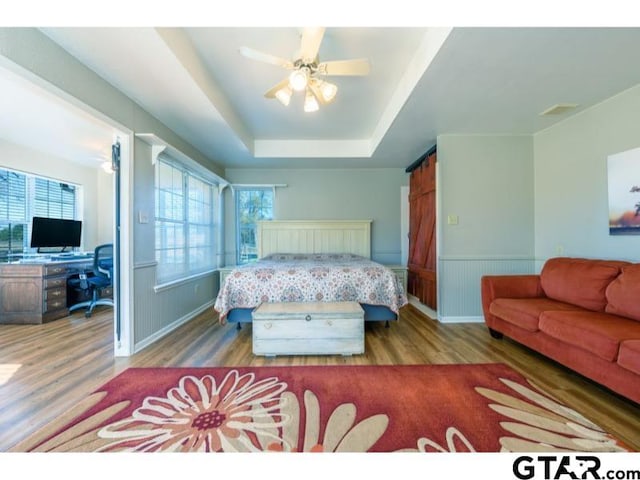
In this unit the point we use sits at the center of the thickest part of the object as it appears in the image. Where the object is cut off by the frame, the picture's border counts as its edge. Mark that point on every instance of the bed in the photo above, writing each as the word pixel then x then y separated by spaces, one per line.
pixel 312 261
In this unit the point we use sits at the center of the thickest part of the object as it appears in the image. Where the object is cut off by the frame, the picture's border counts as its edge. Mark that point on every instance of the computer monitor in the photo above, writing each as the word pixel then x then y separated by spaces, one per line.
pixel 55 233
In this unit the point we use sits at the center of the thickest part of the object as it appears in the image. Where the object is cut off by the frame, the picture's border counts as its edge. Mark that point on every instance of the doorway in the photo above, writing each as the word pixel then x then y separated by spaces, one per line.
pixel 422 259
pixel 60 136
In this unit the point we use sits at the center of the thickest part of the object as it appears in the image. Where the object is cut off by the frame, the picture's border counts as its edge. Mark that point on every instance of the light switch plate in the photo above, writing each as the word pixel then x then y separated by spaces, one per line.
pixel 143 217
pixel 452 219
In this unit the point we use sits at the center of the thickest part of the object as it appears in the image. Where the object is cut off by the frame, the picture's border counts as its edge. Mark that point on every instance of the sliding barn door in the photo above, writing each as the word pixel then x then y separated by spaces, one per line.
pixel 422 232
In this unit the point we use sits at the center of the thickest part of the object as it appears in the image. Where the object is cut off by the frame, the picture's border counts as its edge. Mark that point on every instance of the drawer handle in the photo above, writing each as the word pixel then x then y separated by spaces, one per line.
pixel 267 326
pixel 329 322
pixel 308 318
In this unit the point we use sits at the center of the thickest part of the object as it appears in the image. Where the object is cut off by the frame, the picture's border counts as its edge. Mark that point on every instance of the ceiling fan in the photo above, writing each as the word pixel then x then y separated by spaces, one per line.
pixel 307 71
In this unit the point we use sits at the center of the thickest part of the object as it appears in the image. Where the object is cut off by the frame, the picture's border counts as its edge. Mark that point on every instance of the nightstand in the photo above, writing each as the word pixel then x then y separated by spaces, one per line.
pixel 401 273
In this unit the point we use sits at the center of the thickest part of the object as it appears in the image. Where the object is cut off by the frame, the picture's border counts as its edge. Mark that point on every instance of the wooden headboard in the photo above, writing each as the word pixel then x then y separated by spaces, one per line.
pixel 314 236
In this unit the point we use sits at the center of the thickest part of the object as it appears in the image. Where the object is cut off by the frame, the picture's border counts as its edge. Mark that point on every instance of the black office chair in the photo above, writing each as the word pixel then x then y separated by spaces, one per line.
pixel 93 282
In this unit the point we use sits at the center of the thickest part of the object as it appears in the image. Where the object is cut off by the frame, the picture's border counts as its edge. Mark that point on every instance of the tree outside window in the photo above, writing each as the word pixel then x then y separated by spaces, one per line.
pixel 252 205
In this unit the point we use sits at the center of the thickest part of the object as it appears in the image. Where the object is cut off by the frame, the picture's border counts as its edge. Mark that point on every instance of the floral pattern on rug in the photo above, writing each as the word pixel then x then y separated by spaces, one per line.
pixel 310 278
pixel 456 442
pixel 254 410
pixel 341 432
pixel 202 415
pixel 543 424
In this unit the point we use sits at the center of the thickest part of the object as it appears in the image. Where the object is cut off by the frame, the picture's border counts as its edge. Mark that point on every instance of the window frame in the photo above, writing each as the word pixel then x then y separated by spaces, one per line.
pixel 33 185
pixel 169 276
pixel 238 190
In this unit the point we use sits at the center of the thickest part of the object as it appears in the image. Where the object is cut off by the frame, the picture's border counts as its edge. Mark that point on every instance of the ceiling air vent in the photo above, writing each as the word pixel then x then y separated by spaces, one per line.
pixel 559 109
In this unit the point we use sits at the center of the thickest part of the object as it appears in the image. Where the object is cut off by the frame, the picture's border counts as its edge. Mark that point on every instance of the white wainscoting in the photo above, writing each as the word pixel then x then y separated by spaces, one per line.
pixel 459 283
pixel 158 313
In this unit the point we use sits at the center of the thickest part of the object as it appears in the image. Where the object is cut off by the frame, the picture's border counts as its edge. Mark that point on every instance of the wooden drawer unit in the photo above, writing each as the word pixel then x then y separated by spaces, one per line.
pixel 36 292
pixel 308 328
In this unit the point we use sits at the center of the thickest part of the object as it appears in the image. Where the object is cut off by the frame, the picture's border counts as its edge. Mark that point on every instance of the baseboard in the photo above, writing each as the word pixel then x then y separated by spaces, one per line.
pixel 468 319
pixel 413 301
pixel 171 327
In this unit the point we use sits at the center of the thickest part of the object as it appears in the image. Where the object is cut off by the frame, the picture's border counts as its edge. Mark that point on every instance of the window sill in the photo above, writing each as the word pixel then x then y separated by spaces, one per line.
pixel 180 281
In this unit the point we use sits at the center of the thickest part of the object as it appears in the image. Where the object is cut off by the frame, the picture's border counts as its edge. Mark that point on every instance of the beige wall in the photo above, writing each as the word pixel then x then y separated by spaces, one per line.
pixel 571 197
pixel 330 194
pixel 486 182
pixel 96 192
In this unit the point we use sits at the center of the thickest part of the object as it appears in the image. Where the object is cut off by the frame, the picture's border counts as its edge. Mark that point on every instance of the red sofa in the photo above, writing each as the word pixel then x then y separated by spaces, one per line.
pixel 583 313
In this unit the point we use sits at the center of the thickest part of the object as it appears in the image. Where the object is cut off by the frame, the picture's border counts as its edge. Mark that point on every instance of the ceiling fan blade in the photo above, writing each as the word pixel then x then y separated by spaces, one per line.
pixel 315 89
pixel 265 57
pixel 345 67
pixel 310 43
pixel 272 93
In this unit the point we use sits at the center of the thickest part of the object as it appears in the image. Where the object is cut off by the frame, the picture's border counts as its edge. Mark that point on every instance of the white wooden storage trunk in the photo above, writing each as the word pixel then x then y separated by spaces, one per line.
pixel 308 328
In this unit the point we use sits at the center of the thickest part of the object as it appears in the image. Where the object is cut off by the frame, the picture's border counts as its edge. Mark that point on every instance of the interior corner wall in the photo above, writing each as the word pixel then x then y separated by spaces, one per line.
pixel 571 191
pixel 330 194
pixel 155 313
pixel 485 216
pixel 95 206
pixel 159 310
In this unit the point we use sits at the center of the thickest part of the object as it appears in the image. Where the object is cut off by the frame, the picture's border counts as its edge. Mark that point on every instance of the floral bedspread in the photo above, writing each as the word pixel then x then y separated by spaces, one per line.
pixel 310 278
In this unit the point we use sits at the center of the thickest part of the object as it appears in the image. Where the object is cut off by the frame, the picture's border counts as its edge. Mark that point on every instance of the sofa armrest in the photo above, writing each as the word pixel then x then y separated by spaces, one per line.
pixel 507 286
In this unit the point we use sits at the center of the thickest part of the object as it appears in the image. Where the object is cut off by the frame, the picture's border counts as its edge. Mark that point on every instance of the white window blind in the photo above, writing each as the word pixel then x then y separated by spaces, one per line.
pixel 13 197
pixel 184 222
pixel 23 196
pixel 54 199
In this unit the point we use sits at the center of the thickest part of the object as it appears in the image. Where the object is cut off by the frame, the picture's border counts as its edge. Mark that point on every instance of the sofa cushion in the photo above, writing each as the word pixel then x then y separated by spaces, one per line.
pixel 629 356
pixel 525 312
pixel 623 294
pixel 596 332
pixel 579 281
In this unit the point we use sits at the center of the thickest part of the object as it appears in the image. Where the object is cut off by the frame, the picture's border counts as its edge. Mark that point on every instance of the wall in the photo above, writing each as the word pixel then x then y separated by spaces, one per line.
pixel 105 211
pixel 571 205
pixel 486 182
pixel 330 194
pixel 96 200
pixel 158 310
pixel 31 50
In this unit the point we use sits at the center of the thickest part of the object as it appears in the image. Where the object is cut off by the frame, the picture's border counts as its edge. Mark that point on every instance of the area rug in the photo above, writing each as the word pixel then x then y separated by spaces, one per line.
pixel 421 408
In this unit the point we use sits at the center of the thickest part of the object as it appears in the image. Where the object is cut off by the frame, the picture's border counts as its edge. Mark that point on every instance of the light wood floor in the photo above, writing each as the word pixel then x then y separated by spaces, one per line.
pixel 45 369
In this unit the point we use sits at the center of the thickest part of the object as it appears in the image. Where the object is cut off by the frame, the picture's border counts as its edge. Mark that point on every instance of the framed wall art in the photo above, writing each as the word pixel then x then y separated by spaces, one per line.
pixel 624 192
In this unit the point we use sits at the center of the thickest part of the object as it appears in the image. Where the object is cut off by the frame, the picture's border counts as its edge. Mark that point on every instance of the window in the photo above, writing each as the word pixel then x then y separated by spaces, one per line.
pixel 252 205
pixel 184 222
pixel 23 196
pixel 54 199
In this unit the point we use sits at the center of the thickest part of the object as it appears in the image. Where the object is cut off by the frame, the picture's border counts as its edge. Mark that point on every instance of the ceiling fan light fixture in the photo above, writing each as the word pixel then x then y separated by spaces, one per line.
pixel 328 91
pixel 107 166
pixel 299 79
pixel 310 102
pixel 284 95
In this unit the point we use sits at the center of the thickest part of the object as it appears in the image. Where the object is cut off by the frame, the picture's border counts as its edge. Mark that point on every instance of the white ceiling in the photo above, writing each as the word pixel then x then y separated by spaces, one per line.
pixel 423 82
pixel 34 117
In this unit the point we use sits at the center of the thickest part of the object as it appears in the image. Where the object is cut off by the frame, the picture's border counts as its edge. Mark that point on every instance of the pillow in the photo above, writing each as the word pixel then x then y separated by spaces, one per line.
pixel 579 281
pixel 623 294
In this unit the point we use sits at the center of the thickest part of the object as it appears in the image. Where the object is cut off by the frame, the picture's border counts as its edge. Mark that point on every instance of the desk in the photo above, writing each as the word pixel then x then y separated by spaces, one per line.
pixel 35 291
